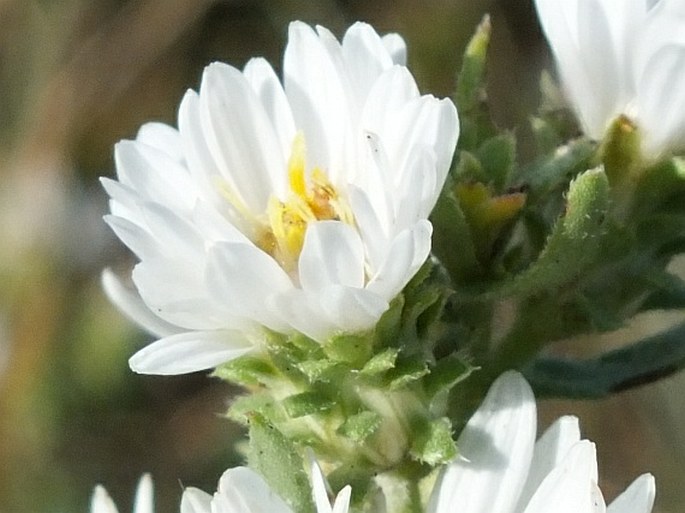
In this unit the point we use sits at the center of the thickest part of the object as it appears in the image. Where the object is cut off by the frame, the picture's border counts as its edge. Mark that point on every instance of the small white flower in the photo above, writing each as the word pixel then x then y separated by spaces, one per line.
pixel 101 502
pixel 622 57
pixel 501 469
pixel 241 490
pixel 299 207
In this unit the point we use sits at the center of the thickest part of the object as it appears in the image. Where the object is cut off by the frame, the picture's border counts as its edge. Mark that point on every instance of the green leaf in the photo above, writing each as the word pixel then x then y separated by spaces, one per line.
pixel 497 157
pixel 669 294
pixel 433 443
pixel 452 240
pixel 307 403
pixel 360 426
pixel 274 457
pixel 574 241
pixel 470 95
pixel 553 172
pixel 471 81
pixel 643 362
pixel 661 184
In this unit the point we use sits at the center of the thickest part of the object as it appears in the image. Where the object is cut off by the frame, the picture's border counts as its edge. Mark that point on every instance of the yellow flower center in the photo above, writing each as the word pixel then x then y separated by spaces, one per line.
pixel 286 221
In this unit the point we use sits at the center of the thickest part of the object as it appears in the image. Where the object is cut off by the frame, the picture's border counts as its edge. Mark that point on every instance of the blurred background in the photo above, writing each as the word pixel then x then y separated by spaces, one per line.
pixel 78 75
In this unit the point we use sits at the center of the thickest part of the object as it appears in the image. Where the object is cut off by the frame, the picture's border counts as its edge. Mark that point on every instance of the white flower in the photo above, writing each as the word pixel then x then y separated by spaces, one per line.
pixel 101 502
pixel 622 57
pixel 299 208
pixel 241 490
pixel 501 469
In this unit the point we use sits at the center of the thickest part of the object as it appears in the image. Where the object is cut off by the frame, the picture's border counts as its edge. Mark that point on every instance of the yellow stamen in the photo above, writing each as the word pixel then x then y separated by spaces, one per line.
pixel 282 229
pixel 296 166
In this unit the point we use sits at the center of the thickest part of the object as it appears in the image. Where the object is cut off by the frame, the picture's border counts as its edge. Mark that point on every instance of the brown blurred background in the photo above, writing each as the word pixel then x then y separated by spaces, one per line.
pixel 78 75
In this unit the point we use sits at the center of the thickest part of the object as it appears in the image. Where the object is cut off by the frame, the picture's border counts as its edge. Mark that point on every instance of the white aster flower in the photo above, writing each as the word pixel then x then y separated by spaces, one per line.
pixel 622 57
pixel 501 469
pixel 299 207
pixel 241 490
pixel 101 502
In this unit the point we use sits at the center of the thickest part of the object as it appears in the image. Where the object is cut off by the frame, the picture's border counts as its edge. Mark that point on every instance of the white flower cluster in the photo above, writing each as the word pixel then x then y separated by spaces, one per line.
pixel 299 207
pixel 622 57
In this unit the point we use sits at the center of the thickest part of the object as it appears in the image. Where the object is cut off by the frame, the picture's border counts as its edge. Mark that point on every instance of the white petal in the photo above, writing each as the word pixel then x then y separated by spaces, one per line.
pixel 213 226
pixel 154 175
pixel 373 235
pixel 332 253
pixel 396 47
pixel 101 502
pixel 130 303
pixel 390 92
pixel 175 291
pixel 144 502
pixel 302 313
pixel 661 100
pixel 405 256
pixel 269 90
pixel 637 498
pixel 424 122
pixel 136 238
pixel 195 501
pixel 319 101
pixel 351 309
pixel 495 448
pixel 245 491
pixel 125 201
pixel 342 500
pixel 203 166
pixel 571 486
pixel 190 352
pixel 240 135
pixel 366 57
pixel 319 488
pixel 549 451
pixel 242 277
pixel 162 137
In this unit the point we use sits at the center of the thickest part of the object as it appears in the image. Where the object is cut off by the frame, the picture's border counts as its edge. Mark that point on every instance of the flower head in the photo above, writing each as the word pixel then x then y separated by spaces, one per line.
pixel 101 502
pixel 622 57
pixel 241 490
pixel 501 469
pixel 299 207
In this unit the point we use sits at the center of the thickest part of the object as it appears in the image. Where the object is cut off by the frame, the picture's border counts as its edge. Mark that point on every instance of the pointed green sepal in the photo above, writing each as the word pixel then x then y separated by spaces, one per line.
pixel 246 370
pixel 354 349
pixel 433 443
pixel 245 407
pixel 276 459
pixel 307 403
pixel 445 374
pixel 360 426
pixel 405 372
pixel 380 362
